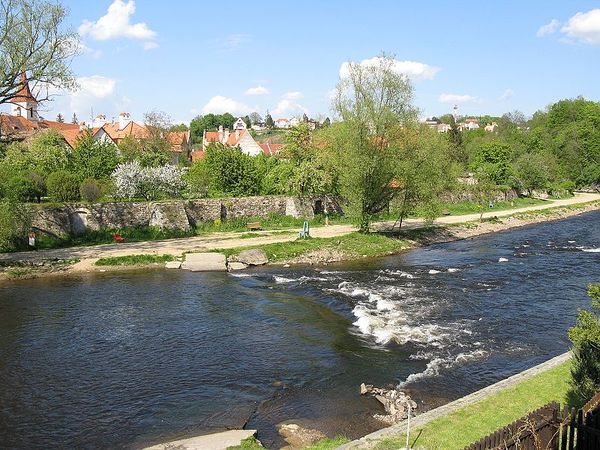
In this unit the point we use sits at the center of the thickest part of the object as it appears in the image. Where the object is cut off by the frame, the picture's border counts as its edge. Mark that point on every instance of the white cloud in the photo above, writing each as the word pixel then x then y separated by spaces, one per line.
pixel 150 45
pixel 257 90
pixel 294 95
pixel 219 105
pixel 584 27
pixel 549 28
pixel 116 24
pixel 412 69
pixel 507 94
pixel 96 86
pixel 457 98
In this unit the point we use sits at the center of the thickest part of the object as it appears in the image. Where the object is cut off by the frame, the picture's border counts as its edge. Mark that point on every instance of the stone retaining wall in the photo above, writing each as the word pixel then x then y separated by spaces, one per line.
pixel 75 219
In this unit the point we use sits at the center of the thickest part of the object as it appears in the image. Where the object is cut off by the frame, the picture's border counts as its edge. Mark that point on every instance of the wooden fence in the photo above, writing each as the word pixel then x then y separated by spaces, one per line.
pixel 549 428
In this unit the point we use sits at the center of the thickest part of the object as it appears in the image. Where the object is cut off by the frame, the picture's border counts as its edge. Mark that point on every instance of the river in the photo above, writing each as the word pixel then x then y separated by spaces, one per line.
pixel 122 360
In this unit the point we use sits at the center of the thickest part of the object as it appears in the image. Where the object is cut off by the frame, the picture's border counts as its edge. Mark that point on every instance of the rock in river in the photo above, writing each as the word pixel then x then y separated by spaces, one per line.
pixel 252 257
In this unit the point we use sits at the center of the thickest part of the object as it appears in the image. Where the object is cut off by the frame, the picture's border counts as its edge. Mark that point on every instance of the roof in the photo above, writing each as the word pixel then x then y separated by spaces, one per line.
pixel 271 149
pixel 177 139
pixel 212 136
pixel 23 94
pixel 131 129
pixel 197 155
pixel 60 125
pixel 235 137
pixel 17 124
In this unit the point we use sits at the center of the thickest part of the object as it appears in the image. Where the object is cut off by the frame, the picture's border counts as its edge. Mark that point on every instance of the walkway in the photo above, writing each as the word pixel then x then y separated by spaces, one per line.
pixel 214 241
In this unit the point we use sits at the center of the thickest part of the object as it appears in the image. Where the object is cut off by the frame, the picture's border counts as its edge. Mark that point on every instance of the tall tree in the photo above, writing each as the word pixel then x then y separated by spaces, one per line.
pixel 33 40
pixel 255 118
pixel 269 121
pixel 373 102
pixel 75 119
pixel 60 118
pixel 156 144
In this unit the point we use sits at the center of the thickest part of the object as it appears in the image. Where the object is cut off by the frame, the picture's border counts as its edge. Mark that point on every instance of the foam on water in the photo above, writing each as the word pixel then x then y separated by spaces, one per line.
pixel 591 250
pixel 433 272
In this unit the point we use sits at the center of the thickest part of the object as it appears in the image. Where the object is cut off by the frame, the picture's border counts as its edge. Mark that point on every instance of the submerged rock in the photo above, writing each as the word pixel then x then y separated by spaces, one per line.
pixel 236 265
pixel 395 402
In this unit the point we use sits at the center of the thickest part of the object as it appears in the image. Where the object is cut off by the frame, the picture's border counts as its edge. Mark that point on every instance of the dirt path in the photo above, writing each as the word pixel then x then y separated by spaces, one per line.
pixel 213 241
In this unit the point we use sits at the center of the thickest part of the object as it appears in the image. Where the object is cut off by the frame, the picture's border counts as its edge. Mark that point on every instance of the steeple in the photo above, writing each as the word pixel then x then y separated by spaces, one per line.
pixel 24 103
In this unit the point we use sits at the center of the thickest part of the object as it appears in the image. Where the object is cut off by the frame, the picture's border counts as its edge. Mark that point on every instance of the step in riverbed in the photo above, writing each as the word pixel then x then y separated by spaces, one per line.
pixel 205 262
pixel 216 441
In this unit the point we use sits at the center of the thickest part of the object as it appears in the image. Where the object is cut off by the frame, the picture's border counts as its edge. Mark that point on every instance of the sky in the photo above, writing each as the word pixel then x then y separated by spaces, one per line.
pixel 194 57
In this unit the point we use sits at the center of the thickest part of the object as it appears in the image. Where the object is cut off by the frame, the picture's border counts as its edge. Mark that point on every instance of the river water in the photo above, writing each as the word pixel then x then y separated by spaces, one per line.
pixel 129 359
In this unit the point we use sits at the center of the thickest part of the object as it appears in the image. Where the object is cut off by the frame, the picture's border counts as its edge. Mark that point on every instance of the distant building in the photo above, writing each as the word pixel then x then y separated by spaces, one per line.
pixel 282 123
pixel 239 137
pixel 469 124
pixel 443 128
pixel 271 149
pixel 491 127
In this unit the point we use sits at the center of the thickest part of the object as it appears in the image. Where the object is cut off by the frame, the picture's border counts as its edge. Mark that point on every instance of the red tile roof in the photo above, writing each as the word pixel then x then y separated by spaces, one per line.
pixel 271 149
pixel 197 155
pixel 24 94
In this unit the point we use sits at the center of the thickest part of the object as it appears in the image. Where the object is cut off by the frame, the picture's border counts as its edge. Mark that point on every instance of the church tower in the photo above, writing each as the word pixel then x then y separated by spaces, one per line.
pixel 24 103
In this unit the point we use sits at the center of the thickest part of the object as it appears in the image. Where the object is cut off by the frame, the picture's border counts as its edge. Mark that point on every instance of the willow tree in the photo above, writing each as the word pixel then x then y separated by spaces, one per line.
pixel 372 102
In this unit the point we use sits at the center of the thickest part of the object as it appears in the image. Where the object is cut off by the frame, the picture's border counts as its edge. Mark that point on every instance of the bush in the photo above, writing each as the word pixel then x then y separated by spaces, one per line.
pixel 63 186
pixel 20 188
pixel 132 180
pixel 15 223
pixel 90 190
pixel 585 336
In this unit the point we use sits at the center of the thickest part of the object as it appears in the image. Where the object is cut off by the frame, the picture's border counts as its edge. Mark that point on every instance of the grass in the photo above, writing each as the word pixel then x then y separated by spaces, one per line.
pixel 134 260
pixel 471 423
pixel 553 211
pixel 328 444
pixel 463 208
pixel 353 245
pixel 250 443
pixel 273 221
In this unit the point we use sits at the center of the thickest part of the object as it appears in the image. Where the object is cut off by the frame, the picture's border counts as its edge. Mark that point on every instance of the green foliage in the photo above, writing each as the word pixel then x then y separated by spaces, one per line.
pixel 15 223
pixel 209 122
pixel 90 190
pixel 21 188
pixel 269 122
pixel 492 162
pixel 130 149
pixel 532 172
pixel 373 102
pixel 48 152
pixel 225 171
pixel 63 186
pixel 94 159
pixel 585 337
pixel 179 127
pixel 328 443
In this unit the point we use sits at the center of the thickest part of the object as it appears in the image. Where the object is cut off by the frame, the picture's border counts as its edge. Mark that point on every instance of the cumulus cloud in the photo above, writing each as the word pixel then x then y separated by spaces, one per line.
pixel 293 95
pixel 257 90
pixel 220 104
pixel 457 98
pixel 584 27
pixel 95 91
pixel 412 69
pixel 116 23
pixel 507 94
pixel 550 28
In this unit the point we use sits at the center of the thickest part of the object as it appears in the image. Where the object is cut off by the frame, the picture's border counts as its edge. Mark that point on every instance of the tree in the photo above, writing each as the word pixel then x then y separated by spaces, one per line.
pixel 63 186
pixel 133 180
pixel 179 127
pixel 255 118
pixel 33 39
pixel 75 120
pixel 155 144
pixel 585 337
pixel 269 121
pixel 60 118
pixel 326 122
pixel 492 162
pixel 532 172
pixel 247 122
pixel 94 159
pixel 15 223
pixel 373 103
pixel 48 152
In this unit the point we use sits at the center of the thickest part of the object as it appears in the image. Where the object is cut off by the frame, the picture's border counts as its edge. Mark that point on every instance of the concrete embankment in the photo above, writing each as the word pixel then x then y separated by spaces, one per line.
pixel 216 441
pixel 371 440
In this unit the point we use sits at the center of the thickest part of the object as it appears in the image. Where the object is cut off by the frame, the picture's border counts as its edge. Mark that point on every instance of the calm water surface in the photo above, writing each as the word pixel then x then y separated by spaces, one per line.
pixel 126 360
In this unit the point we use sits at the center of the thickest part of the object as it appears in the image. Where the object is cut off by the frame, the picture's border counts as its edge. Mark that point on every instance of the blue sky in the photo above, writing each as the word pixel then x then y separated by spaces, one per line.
pixel 188 58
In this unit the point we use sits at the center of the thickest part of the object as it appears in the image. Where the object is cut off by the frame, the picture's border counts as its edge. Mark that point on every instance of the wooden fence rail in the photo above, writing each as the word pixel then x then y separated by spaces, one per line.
pixel 549 428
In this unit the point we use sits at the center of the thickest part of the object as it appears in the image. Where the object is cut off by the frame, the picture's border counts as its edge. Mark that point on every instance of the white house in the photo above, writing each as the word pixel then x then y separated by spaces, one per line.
pixel 239 137
pixel 282 123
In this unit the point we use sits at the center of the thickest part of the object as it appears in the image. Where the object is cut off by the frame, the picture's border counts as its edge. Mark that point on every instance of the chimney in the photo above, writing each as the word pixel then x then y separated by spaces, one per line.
pixel 123 120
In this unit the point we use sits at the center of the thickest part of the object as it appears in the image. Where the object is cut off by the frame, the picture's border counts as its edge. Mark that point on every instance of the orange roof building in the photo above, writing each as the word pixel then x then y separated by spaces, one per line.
pixel 239 137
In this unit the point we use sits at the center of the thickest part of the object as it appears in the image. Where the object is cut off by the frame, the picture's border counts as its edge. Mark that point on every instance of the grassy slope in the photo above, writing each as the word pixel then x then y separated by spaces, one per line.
pixel 352 245
pixel 133 260
pixel 459 429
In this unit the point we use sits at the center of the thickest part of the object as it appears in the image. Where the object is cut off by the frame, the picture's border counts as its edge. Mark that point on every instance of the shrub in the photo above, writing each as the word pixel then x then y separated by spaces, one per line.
pixel 20 188
pixel 63 186
pixel 133 180
pixel 15 223
pixel 585 336
pixel 90 190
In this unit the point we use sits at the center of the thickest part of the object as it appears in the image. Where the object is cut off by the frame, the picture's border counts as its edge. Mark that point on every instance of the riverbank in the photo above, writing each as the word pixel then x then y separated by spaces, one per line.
pixel 479 413
pixel 327 245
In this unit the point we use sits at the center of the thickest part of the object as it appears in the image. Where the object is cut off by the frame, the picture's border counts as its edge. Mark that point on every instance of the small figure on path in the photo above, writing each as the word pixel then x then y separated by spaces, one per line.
pixel 31 240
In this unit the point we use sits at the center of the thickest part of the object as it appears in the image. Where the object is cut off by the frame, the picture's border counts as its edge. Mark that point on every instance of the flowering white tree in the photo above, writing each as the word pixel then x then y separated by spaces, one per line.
pixel 133 180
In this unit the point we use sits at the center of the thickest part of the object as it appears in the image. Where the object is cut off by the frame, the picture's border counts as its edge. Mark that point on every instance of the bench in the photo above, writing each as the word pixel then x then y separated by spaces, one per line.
pixel 118 238
pixel 254 226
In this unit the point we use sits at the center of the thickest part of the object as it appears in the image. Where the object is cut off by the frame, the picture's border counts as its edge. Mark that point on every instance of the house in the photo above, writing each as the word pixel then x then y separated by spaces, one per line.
pixel 282 123
pixel 239 137
pixel 443 128
pixel 469 124
pixel 491 127
pixel 271 149
pixel 294 122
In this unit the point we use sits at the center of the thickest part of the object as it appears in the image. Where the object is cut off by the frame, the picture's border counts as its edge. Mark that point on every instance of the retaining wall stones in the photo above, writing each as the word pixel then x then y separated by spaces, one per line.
pixel 75 219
